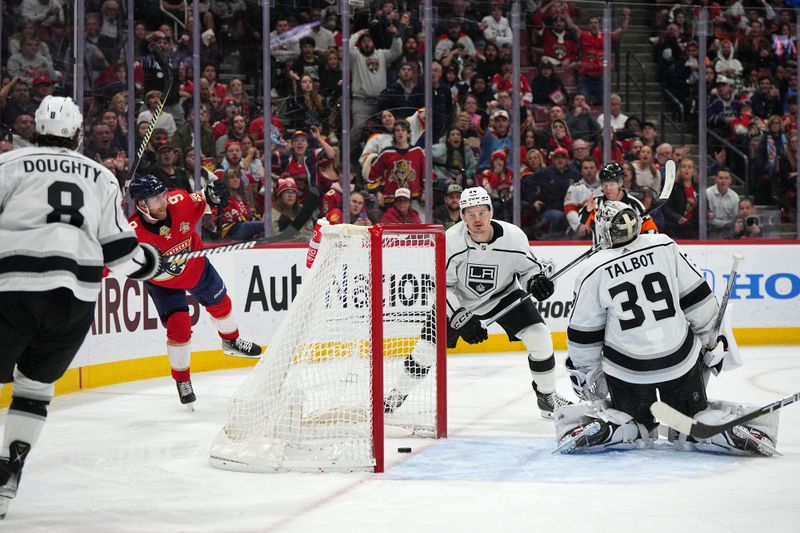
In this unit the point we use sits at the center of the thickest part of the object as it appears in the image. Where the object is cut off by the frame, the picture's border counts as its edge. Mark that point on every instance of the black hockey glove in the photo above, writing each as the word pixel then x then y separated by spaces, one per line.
pixel 541 287
pixel 468 326
pixel 217 194
pixel 155 264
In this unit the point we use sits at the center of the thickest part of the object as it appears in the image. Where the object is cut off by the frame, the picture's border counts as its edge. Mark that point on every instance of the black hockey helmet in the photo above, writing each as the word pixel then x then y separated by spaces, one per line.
pixel 612 172
pixel 144 186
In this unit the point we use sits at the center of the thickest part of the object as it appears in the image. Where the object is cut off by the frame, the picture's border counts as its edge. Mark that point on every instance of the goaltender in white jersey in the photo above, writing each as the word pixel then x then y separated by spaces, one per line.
pixel 488 264
pixel 641 315
pixel 61 222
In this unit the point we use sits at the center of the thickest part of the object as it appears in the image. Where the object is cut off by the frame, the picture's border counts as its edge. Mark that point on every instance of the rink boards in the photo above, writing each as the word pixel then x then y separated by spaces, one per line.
pixel 127 341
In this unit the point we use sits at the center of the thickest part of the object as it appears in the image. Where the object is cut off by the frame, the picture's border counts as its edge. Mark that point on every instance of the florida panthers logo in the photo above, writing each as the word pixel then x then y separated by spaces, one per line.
pixel 402 173
pixel 481 279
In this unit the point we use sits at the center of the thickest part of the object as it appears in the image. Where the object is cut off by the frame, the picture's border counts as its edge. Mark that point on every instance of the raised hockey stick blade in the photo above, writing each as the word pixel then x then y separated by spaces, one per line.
pixel 688 426
pixel 666 191
pixel 163 64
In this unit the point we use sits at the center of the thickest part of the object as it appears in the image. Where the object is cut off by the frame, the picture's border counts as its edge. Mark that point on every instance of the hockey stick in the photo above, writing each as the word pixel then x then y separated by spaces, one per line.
pixel 688 426
pixel 293 229
pixel 669 181
pixel 737 258
pixel 285 235
pixel 163 63
pixel 508 309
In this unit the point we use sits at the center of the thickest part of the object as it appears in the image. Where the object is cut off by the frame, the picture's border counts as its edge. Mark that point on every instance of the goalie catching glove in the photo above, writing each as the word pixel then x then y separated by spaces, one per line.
pixel 589 385
pixel 217 194
pixel 721 357
pixel 468 326
pixel 541 287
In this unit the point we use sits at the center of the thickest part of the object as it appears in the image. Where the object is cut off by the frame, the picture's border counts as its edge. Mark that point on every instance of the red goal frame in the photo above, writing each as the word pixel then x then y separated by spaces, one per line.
pixel 377 233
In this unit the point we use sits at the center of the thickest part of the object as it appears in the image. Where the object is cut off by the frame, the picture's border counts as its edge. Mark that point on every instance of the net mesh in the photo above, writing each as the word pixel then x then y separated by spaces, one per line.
pixel 307 405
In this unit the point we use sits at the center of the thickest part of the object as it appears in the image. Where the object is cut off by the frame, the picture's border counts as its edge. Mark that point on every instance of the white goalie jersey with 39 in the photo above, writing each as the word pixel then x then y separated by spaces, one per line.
pixel 643 311
pixel 61 221
pixel 480 274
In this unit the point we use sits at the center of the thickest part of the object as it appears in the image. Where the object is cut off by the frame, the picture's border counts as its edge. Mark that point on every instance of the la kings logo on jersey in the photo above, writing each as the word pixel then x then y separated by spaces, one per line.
pixel 481 279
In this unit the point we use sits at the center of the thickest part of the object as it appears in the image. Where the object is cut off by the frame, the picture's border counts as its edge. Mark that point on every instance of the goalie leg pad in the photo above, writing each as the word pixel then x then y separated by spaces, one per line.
pixel 733 441
pixel 616 428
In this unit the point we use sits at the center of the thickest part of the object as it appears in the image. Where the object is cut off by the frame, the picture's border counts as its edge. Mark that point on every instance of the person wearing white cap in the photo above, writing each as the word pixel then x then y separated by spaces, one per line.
pixel 401 211
pixel 724 107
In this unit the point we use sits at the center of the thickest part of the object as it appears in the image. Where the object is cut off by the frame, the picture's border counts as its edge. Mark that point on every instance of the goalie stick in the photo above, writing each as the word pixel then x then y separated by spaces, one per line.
pixel 737 258
pixel 689 426
pixel 163 64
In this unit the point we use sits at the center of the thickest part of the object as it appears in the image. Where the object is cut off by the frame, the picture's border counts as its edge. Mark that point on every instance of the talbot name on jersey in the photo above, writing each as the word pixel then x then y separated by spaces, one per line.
pixel 66 166
pixel 629 264
pixel 481 279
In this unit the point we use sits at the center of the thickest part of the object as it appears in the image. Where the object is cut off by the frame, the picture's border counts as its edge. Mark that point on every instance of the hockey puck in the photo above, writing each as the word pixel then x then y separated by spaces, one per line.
pixel 403 450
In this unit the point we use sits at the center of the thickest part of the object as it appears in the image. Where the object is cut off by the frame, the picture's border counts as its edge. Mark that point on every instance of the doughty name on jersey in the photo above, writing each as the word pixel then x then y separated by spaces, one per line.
pixel 63 163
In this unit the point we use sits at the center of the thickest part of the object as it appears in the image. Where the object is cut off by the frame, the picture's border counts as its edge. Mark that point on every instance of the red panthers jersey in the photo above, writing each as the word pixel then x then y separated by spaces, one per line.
pixel 174 235
pixel 395 168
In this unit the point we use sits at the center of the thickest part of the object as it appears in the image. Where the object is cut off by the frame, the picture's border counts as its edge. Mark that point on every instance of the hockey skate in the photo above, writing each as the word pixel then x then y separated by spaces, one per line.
pixel 393 401
pixel 186 394
pixel 11 473
pixel 549 402
pixel 583 437
pixel 241 348
pixel 750 439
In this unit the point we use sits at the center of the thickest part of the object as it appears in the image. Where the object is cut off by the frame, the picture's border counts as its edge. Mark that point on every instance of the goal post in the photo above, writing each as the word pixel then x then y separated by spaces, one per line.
pixel 368 321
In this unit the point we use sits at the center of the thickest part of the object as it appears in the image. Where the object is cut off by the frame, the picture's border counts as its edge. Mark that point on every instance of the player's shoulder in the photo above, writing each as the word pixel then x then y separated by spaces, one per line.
pixel 510 231
pixel 456 239
pixel 182 197
pixel 633 201
pixel 647 240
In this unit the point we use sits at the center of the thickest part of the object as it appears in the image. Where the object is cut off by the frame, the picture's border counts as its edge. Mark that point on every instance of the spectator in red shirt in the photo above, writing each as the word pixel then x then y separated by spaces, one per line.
pixel 401 211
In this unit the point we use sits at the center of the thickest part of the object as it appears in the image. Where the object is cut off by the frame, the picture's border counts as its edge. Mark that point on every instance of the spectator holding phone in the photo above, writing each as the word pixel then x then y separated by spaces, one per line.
pixel 748 224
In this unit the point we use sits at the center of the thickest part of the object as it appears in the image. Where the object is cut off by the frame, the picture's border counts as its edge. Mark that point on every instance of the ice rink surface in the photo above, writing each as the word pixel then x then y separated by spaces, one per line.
pixel 130 458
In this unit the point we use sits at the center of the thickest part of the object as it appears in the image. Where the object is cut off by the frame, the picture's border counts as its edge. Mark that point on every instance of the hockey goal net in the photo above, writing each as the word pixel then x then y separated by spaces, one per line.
pixel 315 400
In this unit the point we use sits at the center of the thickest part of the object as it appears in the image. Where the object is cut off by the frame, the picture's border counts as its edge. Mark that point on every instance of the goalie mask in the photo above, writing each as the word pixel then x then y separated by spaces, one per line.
pixel 617 224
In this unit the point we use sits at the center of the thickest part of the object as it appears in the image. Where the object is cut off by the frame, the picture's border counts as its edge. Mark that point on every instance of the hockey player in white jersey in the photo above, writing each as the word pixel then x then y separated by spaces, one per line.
pixel 642 314
pixel 489 267
pixel 61 221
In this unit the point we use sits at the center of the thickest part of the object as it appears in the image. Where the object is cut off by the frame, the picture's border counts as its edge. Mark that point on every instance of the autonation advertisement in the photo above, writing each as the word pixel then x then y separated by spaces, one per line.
pixel 263 283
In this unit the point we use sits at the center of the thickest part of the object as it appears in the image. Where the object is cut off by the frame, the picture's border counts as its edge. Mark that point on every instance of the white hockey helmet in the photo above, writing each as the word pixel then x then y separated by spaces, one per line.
pixel 58 116
pixel 617 224
pixel 474 196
